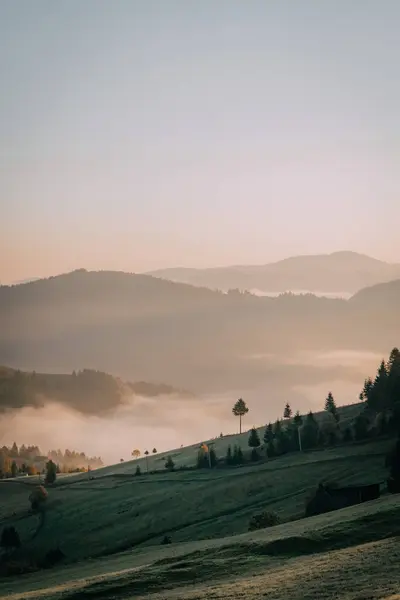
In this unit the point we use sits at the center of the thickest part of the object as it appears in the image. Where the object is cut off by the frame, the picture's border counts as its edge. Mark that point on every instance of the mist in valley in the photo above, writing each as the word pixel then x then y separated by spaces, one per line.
pixel 169 421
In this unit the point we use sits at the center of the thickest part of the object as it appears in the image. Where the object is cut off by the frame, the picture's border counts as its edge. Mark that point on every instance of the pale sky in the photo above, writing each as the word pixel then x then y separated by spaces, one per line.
pixel 138 134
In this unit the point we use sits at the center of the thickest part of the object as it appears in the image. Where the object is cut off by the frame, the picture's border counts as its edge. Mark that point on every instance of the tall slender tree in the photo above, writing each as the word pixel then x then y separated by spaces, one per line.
pixel 239 410
pixel 330 406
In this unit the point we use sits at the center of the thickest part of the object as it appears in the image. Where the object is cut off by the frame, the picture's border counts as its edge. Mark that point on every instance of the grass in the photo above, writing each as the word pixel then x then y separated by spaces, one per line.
pixel 110 530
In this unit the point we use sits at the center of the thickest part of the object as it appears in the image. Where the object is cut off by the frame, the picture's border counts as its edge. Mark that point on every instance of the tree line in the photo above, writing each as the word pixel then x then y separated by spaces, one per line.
pixel 30 460
pixel 379 415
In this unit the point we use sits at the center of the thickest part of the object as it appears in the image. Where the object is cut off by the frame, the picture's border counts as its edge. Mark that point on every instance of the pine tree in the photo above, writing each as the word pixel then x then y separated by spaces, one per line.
pixel 213 456
pixel 287 413
pixel 310 432
pixel 14 450
pixel 228 458
pixel 240 457
pixel 239 410
pixel 381 388
pixel 268 434
pixel 254 439
pixel 14 469
pixel 51 472
pixel 271 452
pixel 393 382
pixel 138 471
pixel 277 428
pixel 361 424
pixel 254 456
pixel 330 406
pixel 298 419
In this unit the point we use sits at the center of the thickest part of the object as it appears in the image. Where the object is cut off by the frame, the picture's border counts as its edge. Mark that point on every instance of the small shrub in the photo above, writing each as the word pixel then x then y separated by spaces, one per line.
pixel 53 557
pixel 166 540
pixel 138 471
pixel 169 464
pixel 263 520
pixel 10 538
pixel 38 497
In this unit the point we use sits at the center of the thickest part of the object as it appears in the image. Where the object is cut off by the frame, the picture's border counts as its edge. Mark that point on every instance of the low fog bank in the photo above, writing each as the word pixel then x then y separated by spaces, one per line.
pixel 167 422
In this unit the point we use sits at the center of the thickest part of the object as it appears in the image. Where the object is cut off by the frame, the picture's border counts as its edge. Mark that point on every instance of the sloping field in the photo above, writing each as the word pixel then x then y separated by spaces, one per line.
pixel 351 554
pixel 114 513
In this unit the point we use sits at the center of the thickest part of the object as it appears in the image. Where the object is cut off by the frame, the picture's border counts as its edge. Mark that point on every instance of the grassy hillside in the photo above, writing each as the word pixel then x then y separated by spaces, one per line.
pixel 201 511
pixel 116 510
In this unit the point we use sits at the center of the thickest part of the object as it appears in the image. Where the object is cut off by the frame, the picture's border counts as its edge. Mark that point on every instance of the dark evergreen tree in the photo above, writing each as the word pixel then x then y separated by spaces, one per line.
pixel 361 426
pixel 366 392
pixel 254 456
pixel 202 459
pixel 51 472
pixel 271 452
pixel 14 469
pixel 287 413
pixel 310 432
pixel 393 381
pixel 14 451
pixel 330 406
pixel 347 435
pixel 229 457
pixel 298 419
pixel 254 439
pixel 277 428
pixel 268 434
pixel 138 471
pixel 213 456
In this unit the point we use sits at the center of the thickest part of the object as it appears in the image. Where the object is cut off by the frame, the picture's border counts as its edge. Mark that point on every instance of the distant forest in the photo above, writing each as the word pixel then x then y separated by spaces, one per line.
pixel 87 390
pixel 30 460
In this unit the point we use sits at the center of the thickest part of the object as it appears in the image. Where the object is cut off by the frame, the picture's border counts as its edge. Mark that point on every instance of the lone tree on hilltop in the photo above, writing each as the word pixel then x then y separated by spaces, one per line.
pixel 330 406
pixel 154 450
pixel 146 453
pixel 287 413
pixel 136 453
pixel 239 410
pixel 51 472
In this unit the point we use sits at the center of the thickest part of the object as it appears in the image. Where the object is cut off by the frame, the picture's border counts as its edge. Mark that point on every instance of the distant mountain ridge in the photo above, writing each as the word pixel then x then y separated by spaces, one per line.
pixel 339 272
pixel 147 329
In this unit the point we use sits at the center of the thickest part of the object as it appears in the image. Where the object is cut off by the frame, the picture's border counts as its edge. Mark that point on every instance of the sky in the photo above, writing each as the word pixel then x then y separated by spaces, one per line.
pixel 142 134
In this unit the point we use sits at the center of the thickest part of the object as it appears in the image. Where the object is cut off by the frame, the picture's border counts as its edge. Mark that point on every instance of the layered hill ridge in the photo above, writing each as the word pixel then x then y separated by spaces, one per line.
pixel 339 272
pixel 145 329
